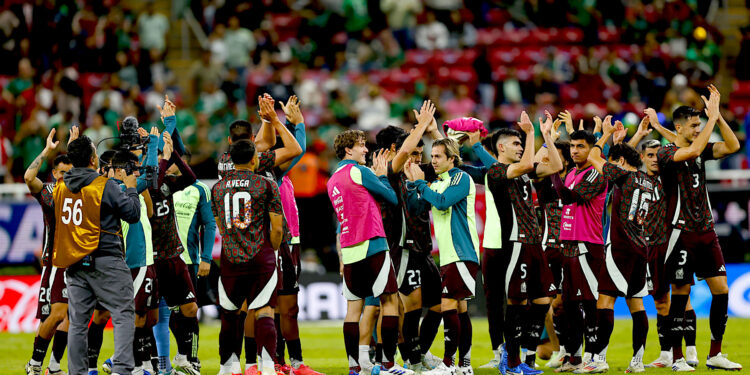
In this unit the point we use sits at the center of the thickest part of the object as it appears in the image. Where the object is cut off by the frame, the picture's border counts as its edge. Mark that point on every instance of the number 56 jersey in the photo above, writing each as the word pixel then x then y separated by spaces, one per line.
pixel 241 202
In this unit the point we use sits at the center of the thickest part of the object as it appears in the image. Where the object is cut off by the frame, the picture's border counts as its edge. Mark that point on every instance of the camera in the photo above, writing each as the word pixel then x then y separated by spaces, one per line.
pixel 129 138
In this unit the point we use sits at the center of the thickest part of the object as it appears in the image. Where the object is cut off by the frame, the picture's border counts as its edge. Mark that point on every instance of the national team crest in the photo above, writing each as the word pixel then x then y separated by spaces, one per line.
pixel 679 274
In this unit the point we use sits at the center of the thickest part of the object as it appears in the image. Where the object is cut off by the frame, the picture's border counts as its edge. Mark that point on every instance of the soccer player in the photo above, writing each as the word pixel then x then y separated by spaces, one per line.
pixel 175 284
pixel 368 270
pixel 625 271
pixel 583 195
pixel 656 230
pixel 409 239
pixel 694 246
pixel 552 211
pixel 52 308
pixel 451 196
pixel 248 210
pixel 528 278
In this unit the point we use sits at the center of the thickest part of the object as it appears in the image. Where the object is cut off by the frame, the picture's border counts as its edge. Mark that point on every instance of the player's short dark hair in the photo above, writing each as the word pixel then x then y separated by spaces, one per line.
pixel 402 139
pixel 61 159
pixel 122 158
pixel 502 134
pixel 584 135
pixel 106 157
pixel 651 143
pixel 347 139
pixel 683 113
pixel 564 146
pixel 489 144
pixel 624 150
pixel 239 130
pixel 242 151
pixel 80 151
pixel 389 136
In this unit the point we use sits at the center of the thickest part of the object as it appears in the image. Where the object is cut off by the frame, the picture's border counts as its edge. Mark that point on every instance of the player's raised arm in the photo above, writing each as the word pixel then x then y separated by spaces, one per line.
pixel 294 116
pixel 653 120
pixel 425 117
pixel 526 165
pixel 377 182
pixel 642 132
pixel 291 148
pixel 30 177
pixel 595 154
pixel 730 145
pixel 266 137
pixel 555 163
pixel 699 144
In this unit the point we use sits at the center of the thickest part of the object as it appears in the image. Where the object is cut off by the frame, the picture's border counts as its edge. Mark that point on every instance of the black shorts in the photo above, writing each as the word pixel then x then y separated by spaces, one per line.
pixel 145 287
pixel 528 275
pixel 625 271
pixel 257 283
pixel 418 270
pixel 289 269
pixel 657 275
pixel 459 280
pixel 370 277
pixel 494 267
pixel 691 253
pixel 174 282
pixel 52 290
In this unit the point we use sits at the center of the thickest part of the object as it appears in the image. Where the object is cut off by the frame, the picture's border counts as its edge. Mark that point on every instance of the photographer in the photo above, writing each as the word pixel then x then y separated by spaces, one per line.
pixel 88 210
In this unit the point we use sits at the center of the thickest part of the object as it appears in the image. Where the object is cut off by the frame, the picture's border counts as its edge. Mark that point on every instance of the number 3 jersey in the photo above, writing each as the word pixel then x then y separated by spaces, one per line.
pixel 685 187
pixel 241 202
pixel 515 205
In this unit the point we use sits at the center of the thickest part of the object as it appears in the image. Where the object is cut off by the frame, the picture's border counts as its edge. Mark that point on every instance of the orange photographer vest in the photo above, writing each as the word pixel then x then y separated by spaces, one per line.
pixel 77 227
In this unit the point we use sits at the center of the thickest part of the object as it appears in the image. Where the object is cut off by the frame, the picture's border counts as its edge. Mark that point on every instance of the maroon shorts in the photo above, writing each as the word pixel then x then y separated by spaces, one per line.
pixel 418 270
pixel 658 284
pixel 579 282
pixel 289 269
pixel 52 290
pixel 459 280
pixel 625 271
pixel 145 287
pixel 528 275
pixel 255 282
pixel 555 262
pixel 370 277
pixel 691 253
pixel 174 284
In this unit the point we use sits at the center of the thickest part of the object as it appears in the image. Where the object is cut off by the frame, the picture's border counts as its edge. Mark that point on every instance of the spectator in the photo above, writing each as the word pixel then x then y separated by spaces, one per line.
pixel 98 132
pixel 217 46
pixel 202 71
pixel 105 98
pixel 6 158
pixel 356 15
pixel 372 110
pixel 152 29
pixel 402 19
pixel 461 105
pixel 127 73
pixel 432 34
pixel 240 43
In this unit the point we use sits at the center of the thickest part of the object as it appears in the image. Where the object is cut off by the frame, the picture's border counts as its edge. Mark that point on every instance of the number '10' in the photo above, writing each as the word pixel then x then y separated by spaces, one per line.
pixel 233 205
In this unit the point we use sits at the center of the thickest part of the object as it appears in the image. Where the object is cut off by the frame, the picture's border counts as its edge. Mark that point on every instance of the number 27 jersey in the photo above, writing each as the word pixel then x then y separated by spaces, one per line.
pixel 241 202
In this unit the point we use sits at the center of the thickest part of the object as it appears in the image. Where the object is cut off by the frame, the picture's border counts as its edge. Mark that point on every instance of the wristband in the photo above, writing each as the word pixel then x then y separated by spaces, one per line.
pixel 544 145
pixel 599 147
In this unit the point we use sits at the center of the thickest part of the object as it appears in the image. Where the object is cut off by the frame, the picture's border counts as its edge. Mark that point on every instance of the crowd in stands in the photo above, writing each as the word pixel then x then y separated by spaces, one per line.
pixel 353 63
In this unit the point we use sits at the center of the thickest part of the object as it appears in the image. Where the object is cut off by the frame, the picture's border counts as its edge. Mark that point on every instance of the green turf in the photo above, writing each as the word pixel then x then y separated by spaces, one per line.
pixel 323 347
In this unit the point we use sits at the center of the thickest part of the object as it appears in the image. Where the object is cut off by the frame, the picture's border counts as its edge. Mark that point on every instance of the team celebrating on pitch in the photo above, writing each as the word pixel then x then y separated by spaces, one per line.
pixel 571 225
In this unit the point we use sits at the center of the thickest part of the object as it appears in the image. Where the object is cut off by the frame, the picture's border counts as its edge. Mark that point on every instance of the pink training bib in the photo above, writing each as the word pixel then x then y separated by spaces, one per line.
pixel 289 204
pixel 356 210
pixel 582 222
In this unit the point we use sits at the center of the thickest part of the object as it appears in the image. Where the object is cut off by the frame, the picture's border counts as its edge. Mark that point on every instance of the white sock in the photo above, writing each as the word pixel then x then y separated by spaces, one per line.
pixel 562 350
pixel 295 363
pixel 35 363
pixel 497 353
pixel 53 365
pixel 364 354
pixel 137 371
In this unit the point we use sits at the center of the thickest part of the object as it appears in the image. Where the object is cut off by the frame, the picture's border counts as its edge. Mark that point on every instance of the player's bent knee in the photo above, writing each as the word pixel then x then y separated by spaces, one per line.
pixel 264 312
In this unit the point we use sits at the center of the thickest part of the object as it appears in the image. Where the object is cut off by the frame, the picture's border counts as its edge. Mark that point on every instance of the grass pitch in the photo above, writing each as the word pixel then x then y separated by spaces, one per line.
pixel 323 347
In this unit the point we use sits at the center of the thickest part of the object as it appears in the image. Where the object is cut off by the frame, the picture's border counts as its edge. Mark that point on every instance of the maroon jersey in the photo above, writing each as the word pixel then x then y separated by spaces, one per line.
pixel 164 234
pixel 405 224
pixel 632 196
pixel 44 197
pixel 552 210
pixel 513 199
pixel 685 186
pixel 656 221
pixel 266 160
pixel 241 203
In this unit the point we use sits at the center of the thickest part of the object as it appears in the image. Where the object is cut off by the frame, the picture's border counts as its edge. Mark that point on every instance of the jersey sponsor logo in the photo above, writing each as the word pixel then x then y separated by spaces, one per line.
pixel 190 295
pixel 722 268
pixel 336 191
pixel 456 179
pixel 445 289
pixel 552 287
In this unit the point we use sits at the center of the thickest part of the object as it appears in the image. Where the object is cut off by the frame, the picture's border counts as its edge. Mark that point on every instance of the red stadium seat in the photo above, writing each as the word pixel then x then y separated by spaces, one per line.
pixel 418 58
pixel 572 35
pixel 455 58
pixel 458 75
pixel 608 35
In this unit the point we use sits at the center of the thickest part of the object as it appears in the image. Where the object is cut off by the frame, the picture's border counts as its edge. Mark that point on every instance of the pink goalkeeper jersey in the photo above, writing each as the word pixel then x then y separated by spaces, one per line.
pixel 291 213
pixel 583 221
pixel 356 209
